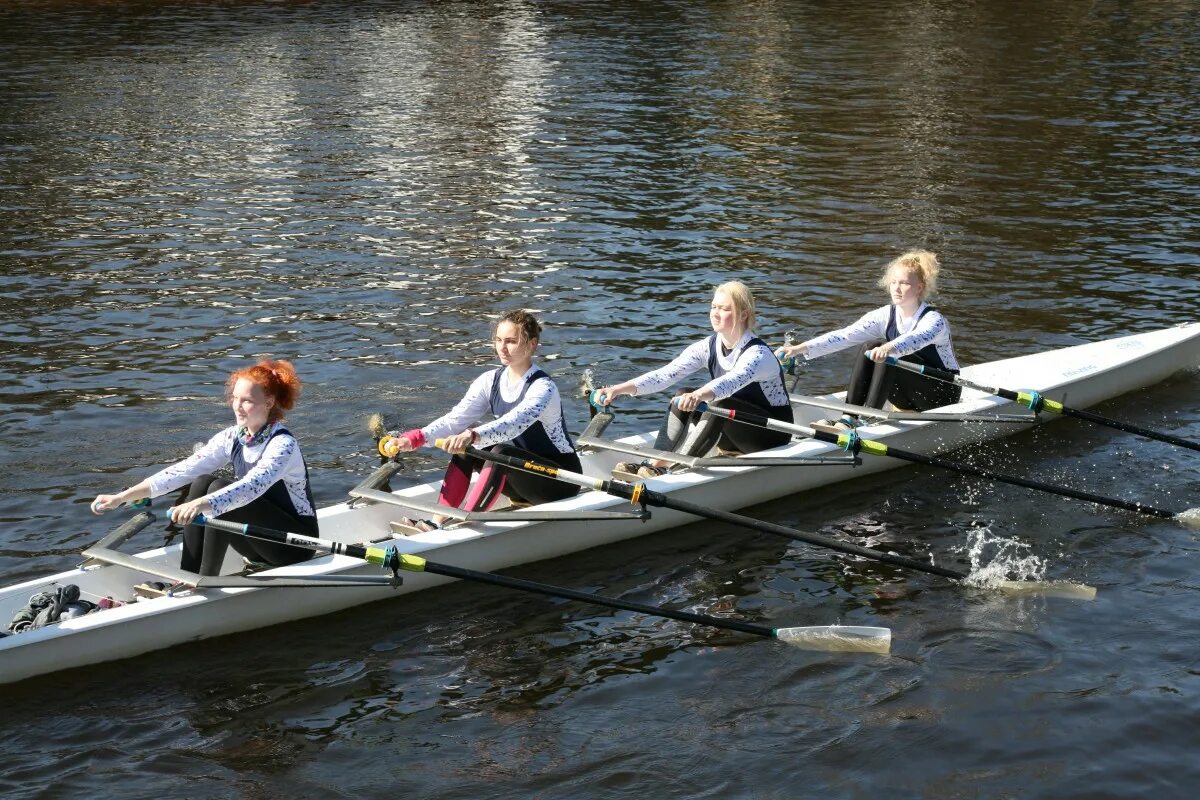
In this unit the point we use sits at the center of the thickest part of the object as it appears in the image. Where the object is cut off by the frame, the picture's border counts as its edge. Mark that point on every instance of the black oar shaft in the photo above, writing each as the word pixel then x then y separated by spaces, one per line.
pixel 643 495
pixel 1129 428
pixel 586 597
pixel 802 536
pixel 388 558
pixel 880 449
pixel 1035 402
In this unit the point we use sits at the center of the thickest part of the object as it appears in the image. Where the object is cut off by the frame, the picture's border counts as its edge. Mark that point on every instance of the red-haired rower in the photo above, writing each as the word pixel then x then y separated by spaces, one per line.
pixel 270 484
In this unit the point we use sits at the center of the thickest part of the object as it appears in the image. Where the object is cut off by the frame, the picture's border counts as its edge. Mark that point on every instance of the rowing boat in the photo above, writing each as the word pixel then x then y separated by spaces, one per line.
pixel 199 608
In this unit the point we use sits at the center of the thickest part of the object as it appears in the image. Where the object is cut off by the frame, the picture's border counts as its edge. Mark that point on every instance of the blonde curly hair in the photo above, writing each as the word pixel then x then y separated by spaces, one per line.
pixel 921 263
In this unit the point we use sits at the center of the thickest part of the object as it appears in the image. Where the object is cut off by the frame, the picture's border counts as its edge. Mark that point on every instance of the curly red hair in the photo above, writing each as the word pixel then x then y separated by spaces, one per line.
pixel 278 381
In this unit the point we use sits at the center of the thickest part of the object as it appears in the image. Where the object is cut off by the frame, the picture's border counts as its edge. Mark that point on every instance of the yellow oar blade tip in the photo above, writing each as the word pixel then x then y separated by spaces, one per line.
pixel 1065 589
pixel 1189 518
pixel 838 638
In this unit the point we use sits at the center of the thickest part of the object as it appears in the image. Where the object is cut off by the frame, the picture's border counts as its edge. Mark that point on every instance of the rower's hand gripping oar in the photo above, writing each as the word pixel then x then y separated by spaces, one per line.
pixel 600 416
pixel 790 364
pixel 1035 402
pixel 852 638
pixel 141 503
pixel 852 442
pixel 639 494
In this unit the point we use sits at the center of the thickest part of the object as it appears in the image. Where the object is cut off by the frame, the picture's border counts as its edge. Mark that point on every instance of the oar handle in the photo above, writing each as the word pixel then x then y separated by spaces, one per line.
pixel 787 362
pixel 140 503
pixel 373 555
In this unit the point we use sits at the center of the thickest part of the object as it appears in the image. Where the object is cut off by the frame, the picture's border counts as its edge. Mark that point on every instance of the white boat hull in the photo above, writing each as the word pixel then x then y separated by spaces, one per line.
pixel 1079 376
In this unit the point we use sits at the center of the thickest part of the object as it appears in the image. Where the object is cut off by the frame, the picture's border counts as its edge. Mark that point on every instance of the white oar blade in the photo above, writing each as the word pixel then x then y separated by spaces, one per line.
pixel 1189 518
pixel 1067 589
pixel 845 638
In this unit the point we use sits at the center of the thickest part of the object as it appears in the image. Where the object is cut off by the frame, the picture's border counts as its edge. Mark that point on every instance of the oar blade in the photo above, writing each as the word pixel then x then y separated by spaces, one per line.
pixel 1189 518
pixel 838 638
pixel 1067 589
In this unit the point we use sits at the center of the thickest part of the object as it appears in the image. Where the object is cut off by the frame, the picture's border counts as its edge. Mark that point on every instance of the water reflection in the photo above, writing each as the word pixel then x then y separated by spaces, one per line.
pixel 361 186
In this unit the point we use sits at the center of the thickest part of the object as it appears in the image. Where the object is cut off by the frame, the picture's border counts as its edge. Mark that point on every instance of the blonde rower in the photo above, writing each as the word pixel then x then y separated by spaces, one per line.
pixel 743 375
pixel 909 328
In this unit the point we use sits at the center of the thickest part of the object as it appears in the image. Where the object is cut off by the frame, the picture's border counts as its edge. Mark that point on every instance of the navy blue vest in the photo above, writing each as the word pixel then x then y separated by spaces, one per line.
pixel 535 439
pixel 277 492
pixel 927 355
pixel 752 392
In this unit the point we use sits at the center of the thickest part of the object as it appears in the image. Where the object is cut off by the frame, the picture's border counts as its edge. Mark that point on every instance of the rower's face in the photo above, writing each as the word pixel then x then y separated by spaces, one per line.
pixel 723 315
pixel 905 286
pixel 510 348
pixel 250 404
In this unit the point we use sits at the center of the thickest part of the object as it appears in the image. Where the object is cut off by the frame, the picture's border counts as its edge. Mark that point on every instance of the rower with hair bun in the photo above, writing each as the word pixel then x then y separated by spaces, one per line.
pixel 909 329
pixel 529 424
pixel 270 485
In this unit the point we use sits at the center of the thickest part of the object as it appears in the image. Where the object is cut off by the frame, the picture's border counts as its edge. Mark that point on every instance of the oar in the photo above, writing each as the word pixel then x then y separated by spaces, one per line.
pixel 852 638
pixel 1035 402
pixel 638 493
pixel 852 442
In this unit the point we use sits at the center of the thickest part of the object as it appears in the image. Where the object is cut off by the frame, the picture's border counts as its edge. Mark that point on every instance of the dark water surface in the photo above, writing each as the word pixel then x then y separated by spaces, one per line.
pixel 361 186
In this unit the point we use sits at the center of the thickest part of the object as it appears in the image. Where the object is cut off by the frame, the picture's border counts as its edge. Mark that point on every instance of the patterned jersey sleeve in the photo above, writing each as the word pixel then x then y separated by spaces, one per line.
pixel 277 455
pixel 209 458
pixel 541 395
pixel 871 326
pixel 469 410
pixel 694 357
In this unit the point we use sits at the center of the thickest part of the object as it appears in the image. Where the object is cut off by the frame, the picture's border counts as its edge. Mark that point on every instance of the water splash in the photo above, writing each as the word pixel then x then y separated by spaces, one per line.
pixel 1190 518
pixel 587 383
pixel 995 559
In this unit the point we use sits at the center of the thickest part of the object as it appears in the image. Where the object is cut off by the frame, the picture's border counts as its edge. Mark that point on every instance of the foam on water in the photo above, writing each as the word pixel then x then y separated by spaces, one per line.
pixel 1008 566
pixel 995 560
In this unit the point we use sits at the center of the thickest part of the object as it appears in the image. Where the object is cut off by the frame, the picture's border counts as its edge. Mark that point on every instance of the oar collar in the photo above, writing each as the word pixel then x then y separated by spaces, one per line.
pixel 1031 400
pixel 850 441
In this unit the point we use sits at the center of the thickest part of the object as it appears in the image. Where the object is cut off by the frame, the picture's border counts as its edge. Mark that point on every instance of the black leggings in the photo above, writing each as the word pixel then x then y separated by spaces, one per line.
pixel 495 479
pixel 204 547
pixel 872 384
pixel 692 433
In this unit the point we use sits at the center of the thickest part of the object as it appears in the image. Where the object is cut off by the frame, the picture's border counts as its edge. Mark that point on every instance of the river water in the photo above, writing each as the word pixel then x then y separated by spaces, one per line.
pixel 362 186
